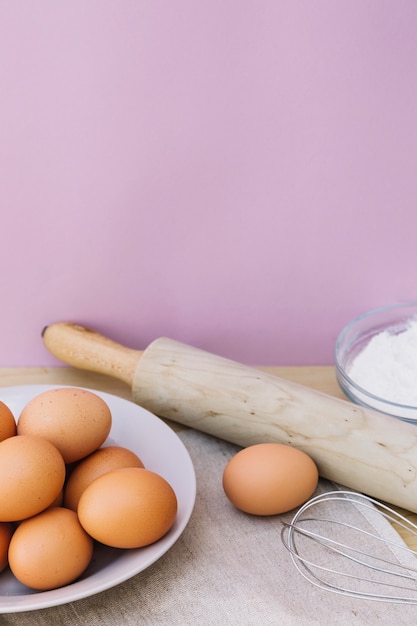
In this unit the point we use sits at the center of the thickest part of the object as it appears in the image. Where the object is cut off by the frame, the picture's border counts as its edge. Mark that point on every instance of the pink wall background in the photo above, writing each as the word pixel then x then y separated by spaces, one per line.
pixel 237 174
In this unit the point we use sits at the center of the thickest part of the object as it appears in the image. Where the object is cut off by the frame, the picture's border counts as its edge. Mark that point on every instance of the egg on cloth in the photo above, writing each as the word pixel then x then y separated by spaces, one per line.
pixel 76 421
pixel 50 549
pixel 269 478
pixel 128 508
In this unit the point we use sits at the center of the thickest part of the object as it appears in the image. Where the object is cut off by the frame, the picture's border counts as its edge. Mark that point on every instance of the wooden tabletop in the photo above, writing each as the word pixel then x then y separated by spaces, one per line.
pixel 321 378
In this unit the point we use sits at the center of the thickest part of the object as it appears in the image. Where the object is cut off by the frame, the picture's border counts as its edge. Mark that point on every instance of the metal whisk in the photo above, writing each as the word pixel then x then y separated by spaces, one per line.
pixel 335 554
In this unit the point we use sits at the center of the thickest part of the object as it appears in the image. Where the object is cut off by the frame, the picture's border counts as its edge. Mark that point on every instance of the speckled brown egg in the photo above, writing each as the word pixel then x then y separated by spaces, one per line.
pixel 7 422
pixel 269 478
pixel 99 462
pixel 76 421
pixel 32 474
pixel 128 508
pixel 50 550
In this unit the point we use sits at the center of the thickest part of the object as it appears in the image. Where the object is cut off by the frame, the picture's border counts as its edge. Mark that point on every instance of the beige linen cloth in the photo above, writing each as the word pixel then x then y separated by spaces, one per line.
pixel 227 568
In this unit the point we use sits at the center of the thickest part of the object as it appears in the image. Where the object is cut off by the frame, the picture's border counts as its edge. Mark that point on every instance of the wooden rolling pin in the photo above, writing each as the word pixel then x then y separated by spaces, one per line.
pixel 356 447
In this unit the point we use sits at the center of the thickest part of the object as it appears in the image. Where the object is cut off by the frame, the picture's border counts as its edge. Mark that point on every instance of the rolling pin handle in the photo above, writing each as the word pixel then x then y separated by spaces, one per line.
pixel 86 349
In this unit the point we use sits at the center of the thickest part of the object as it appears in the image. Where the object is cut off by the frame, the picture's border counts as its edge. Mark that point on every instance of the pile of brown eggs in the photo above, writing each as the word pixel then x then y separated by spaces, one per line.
pixel 62 490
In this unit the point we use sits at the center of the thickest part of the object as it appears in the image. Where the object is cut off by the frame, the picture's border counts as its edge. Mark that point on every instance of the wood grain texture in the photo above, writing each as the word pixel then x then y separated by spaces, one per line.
pixel 320 378
pixel 351 445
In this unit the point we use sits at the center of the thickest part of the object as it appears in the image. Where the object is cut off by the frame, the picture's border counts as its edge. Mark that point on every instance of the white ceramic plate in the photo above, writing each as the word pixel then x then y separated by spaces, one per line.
pixel 161 451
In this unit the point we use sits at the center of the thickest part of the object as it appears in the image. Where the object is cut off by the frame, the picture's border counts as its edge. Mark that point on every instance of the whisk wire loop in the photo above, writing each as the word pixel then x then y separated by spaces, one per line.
pixel 307 545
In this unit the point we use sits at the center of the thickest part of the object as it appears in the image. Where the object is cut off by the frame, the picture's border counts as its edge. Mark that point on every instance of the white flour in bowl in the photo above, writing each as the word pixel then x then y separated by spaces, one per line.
pixel 387 366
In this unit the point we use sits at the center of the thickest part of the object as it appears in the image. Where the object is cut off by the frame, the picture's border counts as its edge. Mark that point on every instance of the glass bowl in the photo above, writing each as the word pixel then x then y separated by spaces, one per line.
pixel 354 338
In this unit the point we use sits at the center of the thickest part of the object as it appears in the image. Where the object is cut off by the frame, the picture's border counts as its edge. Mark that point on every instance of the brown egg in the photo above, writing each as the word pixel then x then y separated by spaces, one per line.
pixel 6 532
pixel 32 473
pixel 98 463
pixel 50 550
pixel 7 422
pixel 128 508
pixel 75 420
pixel 269 478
